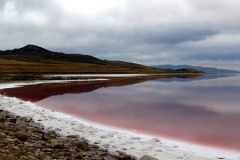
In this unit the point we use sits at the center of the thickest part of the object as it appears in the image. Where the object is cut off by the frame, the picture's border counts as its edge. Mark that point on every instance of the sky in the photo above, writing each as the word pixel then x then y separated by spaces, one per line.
pixel 194 32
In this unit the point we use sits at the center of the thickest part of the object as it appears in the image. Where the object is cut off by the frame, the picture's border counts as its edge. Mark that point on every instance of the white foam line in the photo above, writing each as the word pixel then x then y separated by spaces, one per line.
pixel 112 138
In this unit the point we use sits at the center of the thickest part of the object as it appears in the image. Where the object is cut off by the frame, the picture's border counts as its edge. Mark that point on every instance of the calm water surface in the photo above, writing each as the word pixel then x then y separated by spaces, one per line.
pixel 204 110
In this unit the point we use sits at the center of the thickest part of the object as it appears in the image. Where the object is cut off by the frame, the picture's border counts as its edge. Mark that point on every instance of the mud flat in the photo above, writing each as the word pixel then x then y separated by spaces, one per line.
pixel 112 140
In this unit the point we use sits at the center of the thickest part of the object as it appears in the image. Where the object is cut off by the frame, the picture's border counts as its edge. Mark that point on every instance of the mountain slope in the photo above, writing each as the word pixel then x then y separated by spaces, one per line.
pixel 35 59
pixel 32 53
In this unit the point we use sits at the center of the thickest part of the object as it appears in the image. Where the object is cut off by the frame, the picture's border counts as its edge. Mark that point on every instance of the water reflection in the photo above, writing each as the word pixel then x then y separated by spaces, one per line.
pixel 204 111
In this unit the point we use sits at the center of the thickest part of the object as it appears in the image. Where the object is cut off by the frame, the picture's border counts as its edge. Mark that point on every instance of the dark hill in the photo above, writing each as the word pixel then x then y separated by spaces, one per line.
pixel 33 53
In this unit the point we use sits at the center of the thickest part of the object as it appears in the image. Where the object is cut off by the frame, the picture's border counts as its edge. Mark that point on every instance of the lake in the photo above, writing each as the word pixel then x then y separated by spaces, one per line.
pixel 202 109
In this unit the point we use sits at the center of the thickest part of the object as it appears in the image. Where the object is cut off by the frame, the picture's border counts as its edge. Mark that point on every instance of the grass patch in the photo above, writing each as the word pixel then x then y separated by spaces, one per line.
pixel 20 77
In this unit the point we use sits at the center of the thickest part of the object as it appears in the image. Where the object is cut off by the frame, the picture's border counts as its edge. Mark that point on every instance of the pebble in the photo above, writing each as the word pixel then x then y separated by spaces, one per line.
pixel 22 139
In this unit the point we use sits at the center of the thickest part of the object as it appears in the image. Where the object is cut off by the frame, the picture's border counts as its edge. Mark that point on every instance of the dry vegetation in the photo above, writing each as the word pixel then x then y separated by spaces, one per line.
pixel 14 66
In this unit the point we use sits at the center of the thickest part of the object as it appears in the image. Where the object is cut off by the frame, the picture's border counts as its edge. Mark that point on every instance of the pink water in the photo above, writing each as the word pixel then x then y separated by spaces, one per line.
pixel 203 111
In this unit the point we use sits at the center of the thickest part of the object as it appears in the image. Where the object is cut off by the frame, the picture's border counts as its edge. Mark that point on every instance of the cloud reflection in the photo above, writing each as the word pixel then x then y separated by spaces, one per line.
pixel 197 111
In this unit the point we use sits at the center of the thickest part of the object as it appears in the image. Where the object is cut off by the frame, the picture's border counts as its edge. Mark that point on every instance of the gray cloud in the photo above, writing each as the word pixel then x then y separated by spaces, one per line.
pixel 157 31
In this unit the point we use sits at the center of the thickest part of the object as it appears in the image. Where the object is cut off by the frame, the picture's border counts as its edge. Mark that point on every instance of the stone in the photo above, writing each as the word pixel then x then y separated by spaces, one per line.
pixel 146 157
pixel 3 126
pixel 10 148
pixel 82 145
pixel 73 136
pixel 78 156
pixel 101 153
pixel 3 143
pixel 29 141
pixel 125 157
pixel 22 128
pixel 32 158
pixel 47 149
pixel 97 142
pixel 28 119
pixel 47 158
pixel 60 154
pixel 7 116
pixel 36 130
pixel 55 144
pixel 155 140
pixel 22 136
pixel 46 136
pixel 2 135
pixel 12 120
pixel 2 119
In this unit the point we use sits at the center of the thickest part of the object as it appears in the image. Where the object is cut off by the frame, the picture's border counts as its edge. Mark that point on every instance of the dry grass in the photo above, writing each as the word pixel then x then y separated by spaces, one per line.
pixel 14 66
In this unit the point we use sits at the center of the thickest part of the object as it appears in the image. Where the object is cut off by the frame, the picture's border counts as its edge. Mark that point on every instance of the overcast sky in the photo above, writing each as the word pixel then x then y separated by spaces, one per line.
pixel 195 32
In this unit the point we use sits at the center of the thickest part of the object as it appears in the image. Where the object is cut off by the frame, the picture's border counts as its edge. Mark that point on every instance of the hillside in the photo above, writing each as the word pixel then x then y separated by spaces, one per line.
pixel 35 59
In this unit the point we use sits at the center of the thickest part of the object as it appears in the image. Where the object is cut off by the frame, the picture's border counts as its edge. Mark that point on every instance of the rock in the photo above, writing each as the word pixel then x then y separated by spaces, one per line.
pixel 155 140
pixel 106 145
pixel 3 126
pixel 73 136
pixel 7 116
pixel 53 134
pixel 22 128
pixel 12 120
pixel 47 149
pixel 2 135
pixel 36 130
pixel 82 145
pixel 47 158
pixel 3 143
pixel 46 136
pixel 28 119
pixel 2 119
pixel 125 157
pixel 97 142
pixel 22 136
pixel 101 153
pixel 78 156
pixel 55 144
pixel 31 158
pixel 146 157
pixel 10 148
pixel 3 157
pixel 175 146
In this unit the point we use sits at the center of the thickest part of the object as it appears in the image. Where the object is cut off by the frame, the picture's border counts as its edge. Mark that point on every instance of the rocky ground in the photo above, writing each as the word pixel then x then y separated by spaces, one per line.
pixel 23 139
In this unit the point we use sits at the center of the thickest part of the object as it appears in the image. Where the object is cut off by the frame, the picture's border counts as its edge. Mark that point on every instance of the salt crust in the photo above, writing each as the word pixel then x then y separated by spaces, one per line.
pixel 110 138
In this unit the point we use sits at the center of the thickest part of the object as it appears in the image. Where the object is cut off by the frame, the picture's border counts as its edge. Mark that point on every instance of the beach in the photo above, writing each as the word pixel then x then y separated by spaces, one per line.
pixel 109 138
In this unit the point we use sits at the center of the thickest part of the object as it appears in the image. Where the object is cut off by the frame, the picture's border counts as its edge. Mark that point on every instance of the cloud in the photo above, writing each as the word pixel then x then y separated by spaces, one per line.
pixel 156 31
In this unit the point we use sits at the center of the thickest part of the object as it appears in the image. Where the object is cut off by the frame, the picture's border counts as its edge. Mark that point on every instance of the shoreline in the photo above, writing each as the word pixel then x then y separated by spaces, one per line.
pixel 111 138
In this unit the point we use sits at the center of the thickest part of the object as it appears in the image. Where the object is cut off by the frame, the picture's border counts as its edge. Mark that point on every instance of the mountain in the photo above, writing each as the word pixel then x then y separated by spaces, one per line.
pixel 35 59
pixel 204 69
pixel 33 53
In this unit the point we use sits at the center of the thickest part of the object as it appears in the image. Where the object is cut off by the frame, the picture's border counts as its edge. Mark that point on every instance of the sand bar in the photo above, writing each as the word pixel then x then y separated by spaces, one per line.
pixel 110 138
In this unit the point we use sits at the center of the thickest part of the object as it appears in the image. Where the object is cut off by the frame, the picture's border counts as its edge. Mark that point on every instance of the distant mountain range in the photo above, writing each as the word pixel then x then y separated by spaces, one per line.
pixel 204 69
